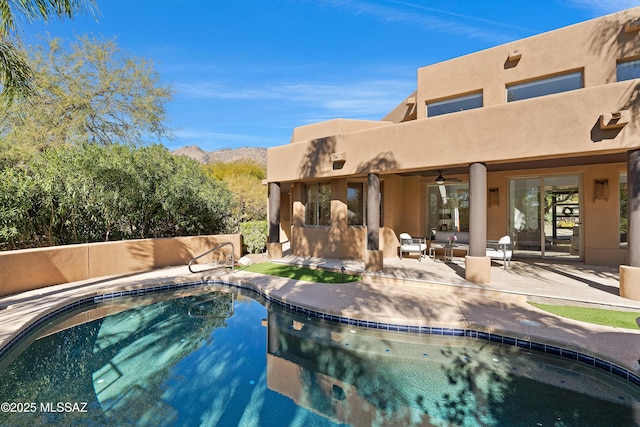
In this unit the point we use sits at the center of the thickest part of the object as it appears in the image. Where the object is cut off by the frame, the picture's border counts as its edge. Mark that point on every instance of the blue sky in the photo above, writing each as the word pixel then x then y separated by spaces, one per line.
pixel 246 72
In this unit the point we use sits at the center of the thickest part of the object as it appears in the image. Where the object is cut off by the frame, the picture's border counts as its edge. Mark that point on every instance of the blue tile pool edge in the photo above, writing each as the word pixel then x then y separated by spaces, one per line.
pixel 426 330
pixel 454 332
pixel 87 302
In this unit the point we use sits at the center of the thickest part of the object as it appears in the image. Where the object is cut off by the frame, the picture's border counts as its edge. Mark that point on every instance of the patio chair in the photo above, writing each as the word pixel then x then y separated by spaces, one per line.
pixel 501 250
pixel 410 244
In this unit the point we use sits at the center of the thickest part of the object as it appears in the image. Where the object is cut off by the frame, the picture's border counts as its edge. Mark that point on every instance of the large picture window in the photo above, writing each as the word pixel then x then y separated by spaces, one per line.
pixel 628 70
pixel 452 105
pixel 546 86
pixel 318 205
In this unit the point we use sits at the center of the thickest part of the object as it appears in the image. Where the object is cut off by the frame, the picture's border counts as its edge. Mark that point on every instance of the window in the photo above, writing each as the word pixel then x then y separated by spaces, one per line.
pixel 542 87
pixel 623 210
pixel 448 207
pixel 318 205
pixel 356 202
pixel 452 105
pixel 628 70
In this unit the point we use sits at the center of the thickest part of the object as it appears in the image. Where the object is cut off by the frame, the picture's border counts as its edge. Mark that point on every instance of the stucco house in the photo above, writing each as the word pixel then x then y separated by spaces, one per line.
pixel 537 139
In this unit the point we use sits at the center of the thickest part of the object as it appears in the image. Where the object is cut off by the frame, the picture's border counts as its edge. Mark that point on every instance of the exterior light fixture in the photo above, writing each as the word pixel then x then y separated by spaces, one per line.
pixel 439 179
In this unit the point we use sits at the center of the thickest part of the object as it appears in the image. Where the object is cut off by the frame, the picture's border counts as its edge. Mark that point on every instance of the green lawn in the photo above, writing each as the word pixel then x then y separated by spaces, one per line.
pixel 301 273
pixel 618 319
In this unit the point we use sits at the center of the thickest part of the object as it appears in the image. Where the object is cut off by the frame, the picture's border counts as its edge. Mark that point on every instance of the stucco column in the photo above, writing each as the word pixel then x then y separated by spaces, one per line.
pixel 477 263
pixel 274 247
pixel 373 258
pixel 630 274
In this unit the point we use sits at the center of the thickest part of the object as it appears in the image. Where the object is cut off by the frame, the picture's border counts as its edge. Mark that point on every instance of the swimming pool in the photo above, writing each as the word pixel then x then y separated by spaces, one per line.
pixel 219 356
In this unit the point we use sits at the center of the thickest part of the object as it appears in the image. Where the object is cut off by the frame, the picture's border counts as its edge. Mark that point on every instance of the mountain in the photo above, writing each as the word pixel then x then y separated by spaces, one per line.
pixel 257 154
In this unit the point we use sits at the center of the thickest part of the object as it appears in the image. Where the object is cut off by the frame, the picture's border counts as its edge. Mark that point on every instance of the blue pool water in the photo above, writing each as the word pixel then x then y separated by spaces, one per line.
pixel 222 358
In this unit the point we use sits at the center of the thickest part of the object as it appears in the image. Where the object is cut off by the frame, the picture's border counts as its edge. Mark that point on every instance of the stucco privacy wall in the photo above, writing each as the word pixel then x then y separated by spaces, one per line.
pixel 28 269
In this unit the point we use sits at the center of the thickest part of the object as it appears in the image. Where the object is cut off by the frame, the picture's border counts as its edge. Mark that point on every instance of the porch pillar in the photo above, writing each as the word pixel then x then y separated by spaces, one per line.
pixel 373 258
pixel 274 247
pixel 477 263
pixel 630 274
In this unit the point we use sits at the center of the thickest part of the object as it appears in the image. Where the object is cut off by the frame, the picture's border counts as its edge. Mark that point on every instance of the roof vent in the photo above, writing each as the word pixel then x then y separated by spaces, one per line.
pixel 632 26
pixel 515 55
pixel 615 120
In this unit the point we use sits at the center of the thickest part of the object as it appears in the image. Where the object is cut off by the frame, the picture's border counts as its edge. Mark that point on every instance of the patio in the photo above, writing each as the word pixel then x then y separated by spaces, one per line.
pixel 571 283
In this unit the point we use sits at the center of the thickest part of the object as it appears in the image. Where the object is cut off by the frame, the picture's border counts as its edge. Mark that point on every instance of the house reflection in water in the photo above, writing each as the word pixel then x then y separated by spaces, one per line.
pixel 365 377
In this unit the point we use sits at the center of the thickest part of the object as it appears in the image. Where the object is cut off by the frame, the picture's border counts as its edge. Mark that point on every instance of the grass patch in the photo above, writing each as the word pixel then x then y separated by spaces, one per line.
pixel 599 316
pixel 301 273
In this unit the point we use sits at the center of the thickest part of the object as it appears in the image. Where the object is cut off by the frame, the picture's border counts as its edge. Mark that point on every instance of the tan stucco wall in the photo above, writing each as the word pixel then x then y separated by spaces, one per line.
pixel 35 268
pixel 593 46
pixel 557 125
pixel 333 127
pixel 554 127
pixel 340 240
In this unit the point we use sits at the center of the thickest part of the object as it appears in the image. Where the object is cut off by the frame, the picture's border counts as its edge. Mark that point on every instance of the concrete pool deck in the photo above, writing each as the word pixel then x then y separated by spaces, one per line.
pixel 429 293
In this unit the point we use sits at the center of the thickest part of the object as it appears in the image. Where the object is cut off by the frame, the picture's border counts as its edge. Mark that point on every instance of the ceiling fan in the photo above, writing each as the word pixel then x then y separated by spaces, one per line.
pixel 440 179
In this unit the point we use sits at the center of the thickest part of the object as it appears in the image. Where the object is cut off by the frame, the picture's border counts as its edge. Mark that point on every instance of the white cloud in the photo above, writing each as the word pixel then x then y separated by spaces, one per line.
pixel 365 99
pixel 465 18
pixel 459 25
pixel 606 6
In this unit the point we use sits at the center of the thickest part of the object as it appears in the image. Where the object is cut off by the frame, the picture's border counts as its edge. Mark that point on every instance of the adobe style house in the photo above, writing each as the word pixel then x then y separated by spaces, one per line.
pixel 538 139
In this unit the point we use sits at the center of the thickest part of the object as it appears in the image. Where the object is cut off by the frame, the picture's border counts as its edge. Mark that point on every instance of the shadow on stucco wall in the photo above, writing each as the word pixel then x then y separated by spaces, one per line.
pixel 383 162
pixel 318 154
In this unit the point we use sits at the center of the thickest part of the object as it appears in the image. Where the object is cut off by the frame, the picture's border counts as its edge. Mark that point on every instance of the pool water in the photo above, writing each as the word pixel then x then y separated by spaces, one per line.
pixel 222 358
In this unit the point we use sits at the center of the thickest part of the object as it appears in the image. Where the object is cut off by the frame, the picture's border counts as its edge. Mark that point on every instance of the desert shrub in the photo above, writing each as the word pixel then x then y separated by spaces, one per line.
pixel 254 236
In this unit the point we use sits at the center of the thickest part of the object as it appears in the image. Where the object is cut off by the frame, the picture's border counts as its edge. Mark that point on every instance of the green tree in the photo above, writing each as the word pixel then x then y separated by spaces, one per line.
pixel 88 90
pixel 244 179
pixel 90 192
pixel 15 73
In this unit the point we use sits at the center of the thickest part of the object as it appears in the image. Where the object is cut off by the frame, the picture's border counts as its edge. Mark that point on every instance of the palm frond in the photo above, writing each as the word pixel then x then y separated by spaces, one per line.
pixel 41 9
pixel 15 74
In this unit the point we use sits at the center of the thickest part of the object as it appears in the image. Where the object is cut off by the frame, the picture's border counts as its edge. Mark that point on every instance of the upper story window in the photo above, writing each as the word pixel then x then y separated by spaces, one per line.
pixel 318 205
pixel 628 70
pixel 452 105
pixel 546 86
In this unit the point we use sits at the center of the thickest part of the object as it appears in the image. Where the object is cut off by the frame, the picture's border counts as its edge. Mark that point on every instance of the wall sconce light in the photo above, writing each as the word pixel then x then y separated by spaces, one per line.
pixel 494 197
pixel 601 189
pixel 514 55
pixel 632 26
pixel 615 120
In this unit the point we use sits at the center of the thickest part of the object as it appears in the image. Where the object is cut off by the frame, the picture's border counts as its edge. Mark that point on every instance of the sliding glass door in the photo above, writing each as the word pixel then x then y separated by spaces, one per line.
pixel 544 216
